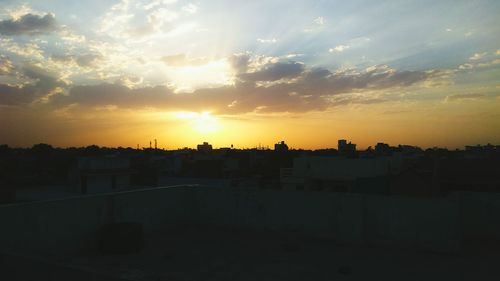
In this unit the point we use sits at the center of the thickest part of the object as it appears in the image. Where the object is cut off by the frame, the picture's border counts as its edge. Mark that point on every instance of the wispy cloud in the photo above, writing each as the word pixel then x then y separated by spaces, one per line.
pixel 271 40
pixel 339 48
pixel 478 56
pixel 460 97
pixel 353 43
pixel 319 21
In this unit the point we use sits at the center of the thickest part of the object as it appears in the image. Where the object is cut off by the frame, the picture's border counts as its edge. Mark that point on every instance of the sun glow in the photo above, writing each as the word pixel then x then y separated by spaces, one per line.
pixel 203 123
pixel 190 77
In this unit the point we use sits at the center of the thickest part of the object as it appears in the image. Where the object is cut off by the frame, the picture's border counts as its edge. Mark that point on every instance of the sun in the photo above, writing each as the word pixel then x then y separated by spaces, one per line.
pixel 201 122
pixel 206 123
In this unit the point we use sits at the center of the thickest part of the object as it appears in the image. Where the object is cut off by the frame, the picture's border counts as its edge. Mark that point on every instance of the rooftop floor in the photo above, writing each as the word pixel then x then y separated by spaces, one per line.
pixel 224 254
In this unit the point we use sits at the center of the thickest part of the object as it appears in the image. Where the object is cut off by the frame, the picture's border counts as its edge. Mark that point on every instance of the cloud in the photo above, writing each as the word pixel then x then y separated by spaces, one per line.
pixel 44 84
pixel 272 40
pixel 478 56
pixel 130 81
pixel 339 48
pixel 460 97
pixel 45 80
pixel 319 21
pixel 28 50
pixel 15 95
pixel 481 61
pixel 180 60
pixel 88 60
pixel 239 62
pixel 138 20
pixel 274 72
pixel 351 99
pixel 295 89
pixel 466 66
pixel 262 84
pixel 229 99
pixel 29 24
pixel 353 43
pixel 317 25
pixel 190 8
pixel 6 66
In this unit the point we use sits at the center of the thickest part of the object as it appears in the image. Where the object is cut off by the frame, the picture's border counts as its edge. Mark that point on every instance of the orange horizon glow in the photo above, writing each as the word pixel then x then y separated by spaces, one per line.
pixel 124 72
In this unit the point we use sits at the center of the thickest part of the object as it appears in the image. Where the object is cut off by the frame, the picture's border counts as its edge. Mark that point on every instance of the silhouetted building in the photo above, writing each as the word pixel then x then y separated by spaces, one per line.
pixel 346 148
pixel 204 147
pixel 281 146
pixel 102 174
pixel 468 174
pixel 480 151
pixel 340 174
pixel 382 148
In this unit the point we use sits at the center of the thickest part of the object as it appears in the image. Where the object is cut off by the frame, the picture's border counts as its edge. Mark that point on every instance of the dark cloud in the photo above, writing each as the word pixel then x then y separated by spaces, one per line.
pixel 221 99
pixel 88 60
pixel 44 84
pixel 85 60
pixel 312 90
pixel 274 72
pixel 62 58
pixel 323 82
pixel 29 24
pixel 239 62
pixel 45 81
pixel 15 95
pixel 114 94
pixel 301 90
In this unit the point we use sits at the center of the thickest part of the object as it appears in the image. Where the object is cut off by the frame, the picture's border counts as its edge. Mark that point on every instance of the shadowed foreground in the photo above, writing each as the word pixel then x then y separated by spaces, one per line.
pixel 200 253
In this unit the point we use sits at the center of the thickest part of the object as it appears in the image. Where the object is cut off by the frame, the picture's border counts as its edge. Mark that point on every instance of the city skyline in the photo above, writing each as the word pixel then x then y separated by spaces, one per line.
pixel 121 73
pixel 158 146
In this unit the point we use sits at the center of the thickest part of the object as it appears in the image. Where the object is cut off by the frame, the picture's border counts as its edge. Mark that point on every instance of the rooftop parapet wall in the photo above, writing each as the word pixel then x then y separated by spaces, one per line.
pixel 69 226
pixel 424 224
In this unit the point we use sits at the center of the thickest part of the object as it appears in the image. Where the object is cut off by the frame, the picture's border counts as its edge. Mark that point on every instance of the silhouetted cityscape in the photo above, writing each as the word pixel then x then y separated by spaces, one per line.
pixel 222 140
pixel 135 214
pixel 47 172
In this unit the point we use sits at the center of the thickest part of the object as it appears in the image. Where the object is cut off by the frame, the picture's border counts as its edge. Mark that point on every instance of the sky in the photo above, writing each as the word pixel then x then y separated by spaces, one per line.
pixel 249 73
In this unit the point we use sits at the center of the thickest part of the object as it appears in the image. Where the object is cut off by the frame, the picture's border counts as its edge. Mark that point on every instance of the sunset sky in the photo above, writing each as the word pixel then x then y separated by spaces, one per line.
pixel 124 72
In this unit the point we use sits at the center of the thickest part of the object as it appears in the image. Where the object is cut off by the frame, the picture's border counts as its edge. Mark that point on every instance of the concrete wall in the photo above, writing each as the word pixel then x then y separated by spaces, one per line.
pixel 51 227
pixel 70 225
pixel 103 183
pixel 480 215
pixel 425 224
pixel 335 168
